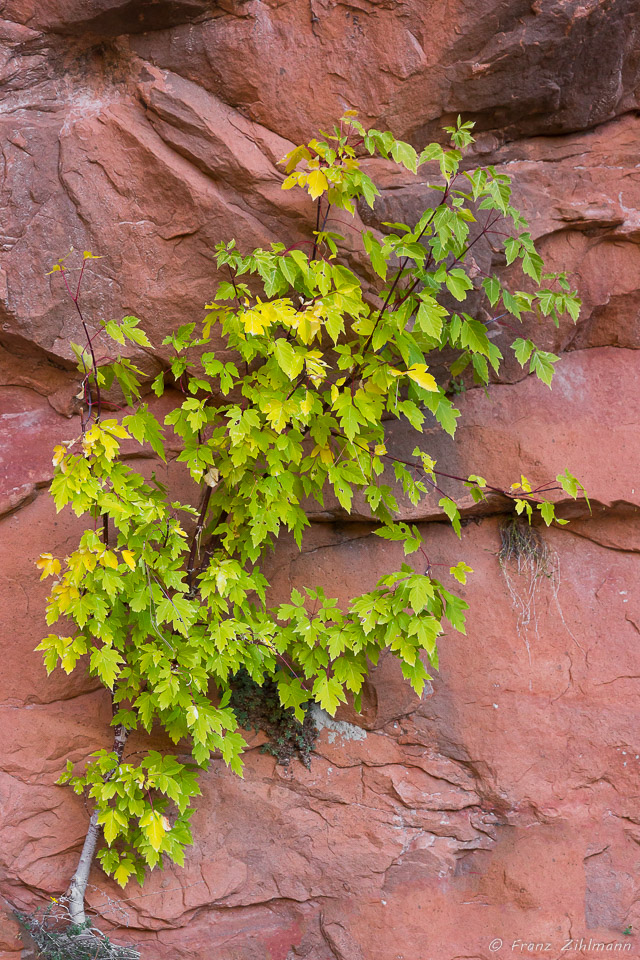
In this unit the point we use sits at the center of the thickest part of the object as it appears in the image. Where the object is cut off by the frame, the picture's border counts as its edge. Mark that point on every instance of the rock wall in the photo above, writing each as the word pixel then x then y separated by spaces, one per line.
pixel 504 806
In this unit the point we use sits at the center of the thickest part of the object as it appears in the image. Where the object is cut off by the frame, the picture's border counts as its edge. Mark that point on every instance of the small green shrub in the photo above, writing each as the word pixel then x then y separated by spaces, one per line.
pixel 258 707
pixel 161 599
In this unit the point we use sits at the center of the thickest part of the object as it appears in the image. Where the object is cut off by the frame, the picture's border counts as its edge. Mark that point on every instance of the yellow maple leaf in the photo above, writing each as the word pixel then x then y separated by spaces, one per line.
pixel 48 564
pixel 317 183
pixel 307 326
pixel 294 179
pixel 293 158
pixel 418 373
pixel 255 321
pixel 59 453
pixel 326 454
pixel 115 428
pixel 65 594
pixel 109 559
pixel 89 440
pixel 129 559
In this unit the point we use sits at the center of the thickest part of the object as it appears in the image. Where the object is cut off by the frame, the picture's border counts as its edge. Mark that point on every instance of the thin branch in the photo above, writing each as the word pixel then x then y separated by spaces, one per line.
pixel 195 541
pixel 315 243
pixel 75 300
pixel 78 885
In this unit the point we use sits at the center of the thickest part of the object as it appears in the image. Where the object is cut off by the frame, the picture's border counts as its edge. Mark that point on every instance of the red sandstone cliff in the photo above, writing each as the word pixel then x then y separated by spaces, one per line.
pixel 506 804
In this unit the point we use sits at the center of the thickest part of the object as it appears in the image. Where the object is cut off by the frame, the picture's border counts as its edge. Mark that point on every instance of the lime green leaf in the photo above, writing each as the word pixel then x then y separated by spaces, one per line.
pixel 547 511
pixel 430 317
pixel 127 328
pixel 460 571
pixel 572 306
pixel 106 663
pixel 112 822
pixel 571 484
pixel 416 674
pixel 290 361
pixel 432 151
pixel 458 283
pixel 405 154
pixel 512 249
pixel 374 249
pixel 542 365
pixel 532 265
pixel 350 672
pixel 143 426
pixel 420 593
pixel 452 512
pixel 292 695
pixel 328 692
pixel 154 826
pixel 158 385
pixel 492 289
pixel 523 350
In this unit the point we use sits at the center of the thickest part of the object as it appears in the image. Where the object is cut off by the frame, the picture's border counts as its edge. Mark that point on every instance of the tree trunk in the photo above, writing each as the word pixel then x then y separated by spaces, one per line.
pixel 78 885
pixel 79 881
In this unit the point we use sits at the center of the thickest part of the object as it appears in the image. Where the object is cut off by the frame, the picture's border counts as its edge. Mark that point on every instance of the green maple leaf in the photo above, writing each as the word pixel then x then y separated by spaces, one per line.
pixel 106 662
pixel 328 692
pixel 292 695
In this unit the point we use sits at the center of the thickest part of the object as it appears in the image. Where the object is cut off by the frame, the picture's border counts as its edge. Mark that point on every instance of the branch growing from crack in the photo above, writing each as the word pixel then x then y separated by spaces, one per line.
pixel 78 886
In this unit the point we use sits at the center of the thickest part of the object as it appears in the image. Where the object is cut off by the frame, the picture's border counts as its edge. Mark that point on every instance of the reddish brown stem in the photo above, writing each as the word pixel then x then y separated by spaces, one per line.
pixel 75 300
pixel 196 537
pixel 315 244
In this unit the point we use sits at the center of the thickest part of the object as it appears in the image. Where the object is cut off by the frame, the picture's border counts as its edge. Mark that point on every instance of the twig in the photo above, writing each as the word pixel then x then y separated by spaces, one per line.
pixel 195 542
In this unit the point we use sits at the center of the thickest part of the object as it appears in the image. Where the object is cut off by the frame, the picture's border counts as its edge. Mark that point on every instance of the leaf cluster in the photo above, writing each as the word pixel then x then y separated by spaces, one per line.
pixel 168 601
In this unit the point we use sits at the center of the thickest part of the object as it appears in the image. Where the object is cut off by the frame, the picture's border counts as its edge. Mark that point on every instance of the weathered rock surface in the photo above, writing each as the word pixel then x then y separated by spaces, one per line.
pixel 504 805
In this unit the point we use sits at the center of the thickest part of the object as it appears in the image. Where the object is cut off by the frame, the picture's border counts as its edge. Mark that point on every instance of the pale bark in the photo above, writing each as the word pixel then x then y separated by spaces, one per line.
pixel 78 885
pixel 80 879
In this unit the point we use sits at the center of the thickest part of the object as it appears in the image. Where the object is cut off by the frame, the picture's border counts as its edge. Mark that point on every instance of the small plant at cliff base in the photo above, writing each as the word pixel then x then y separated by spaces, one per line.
pixel 257 706
pixel 168 599
pixel 56 937
pixel 526 562
pixel 522 548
